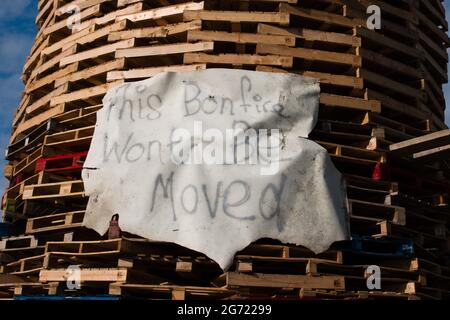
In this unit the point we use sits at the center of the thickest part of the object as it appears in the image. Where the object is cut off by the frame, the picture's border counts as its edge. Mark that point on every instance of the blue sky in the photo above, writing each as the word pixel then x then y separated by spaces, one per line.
pixel 17 30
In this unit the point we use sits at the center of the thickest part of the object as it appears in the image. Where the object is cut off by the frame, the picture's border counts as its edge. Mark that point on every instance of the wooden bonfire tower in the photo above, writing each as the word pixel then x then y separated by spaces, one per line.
pixel 381 119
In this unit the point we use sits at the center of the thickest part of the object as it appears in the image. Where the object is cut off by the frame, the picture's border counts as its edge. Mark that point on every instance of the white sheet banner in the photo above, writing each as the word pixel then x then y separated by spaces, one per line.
pixel 214 160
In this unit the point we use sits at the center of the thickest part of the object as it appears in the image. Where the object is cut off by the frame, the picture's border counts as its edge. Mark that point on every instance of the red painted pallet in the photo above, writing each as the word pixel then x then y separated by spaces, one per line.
pixel 61 163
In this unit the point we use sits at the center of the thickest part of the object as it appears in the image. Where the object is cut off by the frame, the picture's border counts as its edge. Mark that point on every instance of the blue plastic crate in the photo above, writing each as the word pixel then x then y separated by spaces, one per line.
pixel 385 247
pixel 5 229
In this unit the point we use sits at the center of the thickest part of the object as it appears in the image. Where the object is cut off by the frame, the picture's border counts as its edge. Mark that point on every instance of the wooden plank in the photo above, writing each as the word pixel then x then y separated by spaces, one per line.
pixel 393 10
pixel 176 292
pixel 64 41
pixel 32 60
pixel 439 69
pixel 356 153
pixel 85 14
pixel 40 34
pixel 150 72
pixel 48 7
pixel 270 69
pixel 259 280
pixel 317 15
pixel 435 13
pixel 6 279
pixel 91 275
pixel 54 222
pixel 81 4
pixel 52 62
pixel 97 34
pixel 53 190
pixel 239 37
pixel 19 242
pixel 392 85
pixel 28 162
pixel 162 12
pixel 395 105
pixel 436 31
pixel 269 1
pixel 78 117
pixel 311 35
pixel 387 42
pixel 350 102
pixel 34 85
pixel 30 141
pixel 16 191
pixel 96 52
pixel 438 49
pixel 238 59
pixel 334 79
pixel 45 100
pixel 66 137
pixel 90 72
pixel 394 214
pixel 24 102
pixel 155 32
pixel 84 93
pixel 37 120
pixel 423 143
pixel 437 107
pixel 123 3
pixel 237 16
pixel 108 18
pixel 311 54
pixel 165 49
pixel 386 62
pixel 430 81
pixel 438 153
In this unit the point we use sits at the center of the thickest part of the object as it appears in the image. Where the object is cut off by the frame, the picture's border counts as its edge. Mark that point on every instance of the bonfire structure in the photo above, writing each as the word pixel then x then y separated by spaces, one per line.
pixel 381 119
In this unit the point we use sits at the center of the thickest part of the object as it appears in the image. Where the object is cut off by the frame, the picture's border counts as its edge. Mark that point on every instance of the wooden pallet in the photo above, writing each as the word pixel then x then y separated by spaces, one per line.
pixel 236 280
pixel 169 292
pixel 32 140
pixel 126 246
pixel 16 243
pixel 69 162
pixel 25 266
pixel 394 214
pixel 287 251
pixel 109 275
pixel 426 148
pixel 132 254
pixel 56 222
pixel 358 295
pixel 54 190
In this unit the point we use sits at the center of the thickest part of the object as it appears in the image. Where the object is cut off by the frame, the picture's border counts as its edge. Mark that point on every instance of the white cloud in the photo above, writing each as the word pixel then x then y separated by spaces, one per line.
pixel 9 9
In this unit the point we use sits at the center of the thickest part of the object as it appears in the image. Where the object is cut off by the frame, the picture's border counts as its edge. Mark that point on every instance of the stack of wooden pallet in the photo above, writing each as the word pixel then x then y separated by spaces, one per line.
pixel 378 89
